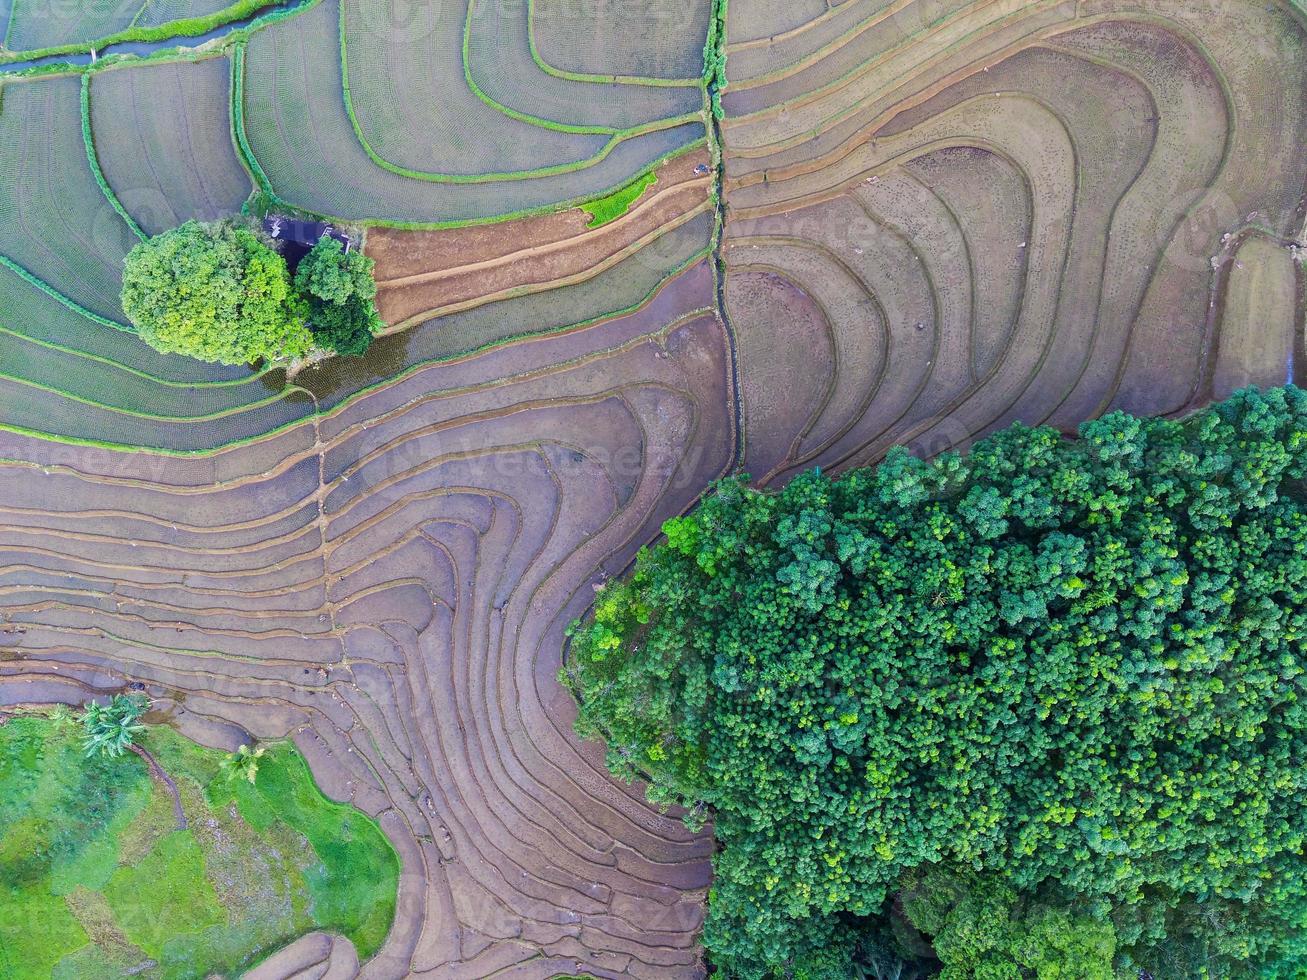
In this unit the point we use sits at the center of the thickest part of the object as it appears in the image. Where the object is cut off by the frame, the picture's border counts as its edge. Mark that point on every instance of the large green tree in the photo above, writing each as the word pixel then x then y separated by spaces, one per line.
pixel 340 290
pixel 1072 667
pixel 216 292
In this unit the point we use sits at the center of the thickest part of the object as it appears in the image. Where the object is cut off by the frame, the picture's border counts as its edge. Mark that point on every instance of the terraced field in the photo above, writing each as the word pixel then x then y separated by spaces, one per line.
pixel 388 585
pixel 915 221
pixel 981 212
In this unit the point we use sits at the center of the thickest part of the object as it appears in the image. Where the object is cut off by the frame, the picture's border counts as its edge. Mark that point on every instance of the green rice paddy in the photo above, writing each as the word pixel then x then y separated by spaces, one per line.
pixel 615 205
pixel 96 878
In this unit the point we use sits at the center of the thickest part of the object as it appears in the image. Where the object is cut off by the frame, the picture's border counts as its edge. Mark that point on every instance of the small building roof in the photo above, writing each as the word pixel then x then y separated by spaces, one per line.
pixel 298 236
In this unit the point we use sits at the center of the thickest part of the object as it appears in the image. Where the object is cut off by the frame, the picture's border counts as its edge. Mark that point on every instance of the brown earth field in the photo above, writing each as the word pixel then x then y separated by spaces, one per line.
pixel 424 274
pixel 982 212
pixel 938 217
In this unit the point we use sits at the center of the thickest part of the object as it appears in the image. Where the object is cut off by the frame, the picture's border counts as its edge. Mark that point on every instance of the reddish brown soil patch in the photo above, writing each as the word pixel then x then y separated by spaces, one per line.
pixel 421 274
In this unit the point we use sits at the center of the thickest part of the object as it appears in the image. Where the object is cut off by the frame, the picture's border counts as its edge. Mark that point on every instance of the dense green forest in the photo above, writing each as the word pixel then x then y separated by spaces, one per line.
pixel 1035 711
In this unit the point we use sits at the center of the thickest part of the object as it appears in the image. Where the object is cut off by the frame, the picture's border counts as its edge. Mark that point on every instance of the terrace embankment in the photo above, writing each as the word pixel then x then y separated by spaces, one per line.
pixel 996 213
pixel 425 274
pixel 942 215
pixel 388 585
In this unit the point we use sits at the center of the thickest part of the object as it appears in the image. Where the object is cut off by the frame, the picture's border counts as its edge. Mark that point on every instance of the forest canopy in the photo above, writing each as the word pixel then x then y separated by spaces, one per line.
pixel 1032 711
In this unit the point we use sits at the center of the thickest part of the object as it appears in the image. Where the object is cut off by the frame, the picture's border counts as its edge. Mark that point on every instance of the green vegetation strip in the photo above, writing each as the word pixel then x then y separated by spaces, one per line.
pixel 212 49
pixel 616 136
pixel 574 76
pixel 96 877
pixel 714 58
pixel 59 297
pixel 238 122
pixel 609 208
pixel 185 27
pixel 150 416
pixel 128 369
pixel 94 161
pixel 345 402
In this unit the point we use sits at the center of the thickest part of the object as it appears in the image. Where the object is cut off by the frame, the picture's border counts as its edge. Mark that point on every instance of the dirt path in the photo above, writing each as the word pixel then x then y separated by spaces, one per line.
pixel 158 774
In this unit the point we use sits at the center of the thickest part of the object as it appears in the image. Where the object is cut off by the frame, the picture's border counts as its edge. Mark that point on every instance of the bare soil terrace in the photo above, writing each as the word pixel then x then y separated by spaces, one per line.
pixel 423 274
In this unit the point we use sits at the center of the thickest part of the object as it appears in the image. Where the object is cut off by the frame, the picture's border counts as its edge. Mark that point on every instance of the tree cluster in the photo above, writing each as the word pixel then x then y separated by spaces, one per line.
pixel 218 292
pixel 1035 711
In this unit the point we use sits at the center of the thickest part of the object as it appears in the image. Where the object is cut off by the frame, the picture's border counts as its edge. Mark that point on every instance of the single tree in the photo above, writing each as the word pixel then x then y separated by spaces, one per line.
pixel 110 729
pixel 216 292
pixel 340 290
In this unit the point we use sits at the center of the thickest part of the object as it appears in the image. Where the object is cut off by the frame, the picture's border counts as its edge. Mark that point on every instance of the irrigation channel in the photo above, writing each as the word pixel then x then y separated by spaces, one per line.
pixel 138 49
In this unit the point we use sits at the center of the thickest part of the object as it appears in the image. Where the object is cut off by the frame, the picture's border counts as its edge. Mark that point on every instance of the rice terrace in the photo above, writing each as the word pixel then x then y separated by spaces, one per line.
pixel 378 384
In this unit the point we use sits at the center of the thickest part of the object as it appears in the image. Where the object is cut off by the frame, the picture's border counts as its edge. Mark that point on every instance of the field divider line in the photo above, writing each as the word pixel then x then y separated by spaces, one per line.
pixel 139 10
pixel 32 279
pixel 495 219
pixel 343 405
pixel 450 424
pixel 159 523
pixel 127 369
pixel 91 158
pixel 184 27
pixel 574 76
pixel 549 248
pixel 1159 255
pixel 177 586
pixel 287 537
pixel 133 413
pixel 123 612
pixel 498 106
pixel 819 410
pixel 966 140
pixel 830 47
pixel 616 136
pixel 527 289
pixel 782 36
pixel 715 55
pixel 920 69
pixel 243 149
pixel 871 390
pixel 118 564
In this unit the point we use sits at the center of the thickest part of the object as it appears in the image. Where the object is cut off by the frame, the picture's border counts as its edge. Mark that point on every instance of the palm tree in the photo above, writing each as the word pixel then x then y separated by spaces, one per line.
pixel 110 729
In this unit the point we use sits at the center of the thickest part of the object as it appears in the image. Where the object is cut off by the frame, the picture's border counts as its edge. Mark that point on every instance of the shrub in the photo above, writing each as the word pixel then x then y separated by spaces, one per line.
pixel 1074 667
pixel 215 292
pixel 242 764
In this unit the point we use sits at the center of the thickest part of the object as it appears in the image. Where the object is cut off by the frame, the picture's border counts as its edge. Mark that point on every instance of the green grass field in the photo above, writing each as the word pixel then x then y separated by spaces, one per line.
pixel 96 879
pixel 615 205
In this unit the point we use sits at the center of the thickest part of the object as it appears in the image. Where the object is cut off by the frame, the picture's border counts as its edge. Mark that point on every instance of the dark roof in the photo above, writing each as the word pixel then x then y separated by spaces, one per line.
pixel 298 236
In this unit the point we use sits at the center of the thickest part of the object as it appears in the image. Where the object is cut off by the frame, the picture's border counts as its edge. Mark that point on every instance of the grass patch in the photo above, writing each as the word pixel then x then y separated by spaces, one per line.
pixel 97 879
pixel 616 204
